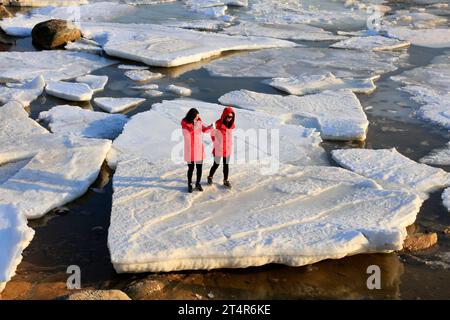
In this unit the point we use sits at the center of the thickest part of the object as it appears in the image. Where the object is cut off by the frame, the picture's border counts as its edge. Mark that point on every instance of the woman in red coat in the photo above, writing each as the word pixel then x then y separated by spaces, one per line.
pixel 222 137
pixel 194 152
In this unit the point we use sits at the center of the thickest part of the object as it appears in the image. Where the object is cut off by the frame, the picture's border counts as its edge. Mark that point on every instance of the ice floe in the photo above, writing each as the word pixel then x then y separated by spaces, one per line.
pixel 295 61
pixel 131 67
pixel 393 170
pixel 23 93
pixel 182 91
pixel 438 157
pixel 163 46
pixel 282 31
pixel 96 83
pixel 201 25
pixel 152 93
pixel 71 91
pixel 143 75
pixel 315 83
pixel 117 104
pixel 85 45
pixel 432 38
pixel 72 120
pixel 338 115
pixel 374 43
pixel 52 65
pixel 150 86
pixel 45 3
pixel 446 198
pixel 15 236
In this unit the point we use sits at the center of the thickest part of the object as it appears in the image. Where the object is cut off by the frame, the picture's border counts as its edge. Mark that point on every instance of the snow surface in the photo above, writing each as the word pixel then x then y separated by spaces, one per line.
pixel 52 65
pixel 15 236
pixel 60 168
pixel 338 115
pixel 438 157
pixel 295 61
pixel 182 91
pixel 96 83
pixel 374 43
pixel 72 120
pixel 69 90
pixel 23 93
pixel 393 170
pixel 163 46
pixel 113 105
pixel 315 83
pixel 431 38
pixel 143 75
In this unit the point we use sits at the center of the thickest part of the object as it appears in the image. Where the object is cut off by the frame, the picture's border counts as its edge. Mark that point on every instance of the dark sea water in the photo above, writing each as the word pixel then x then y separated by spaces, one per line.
pixel 77 233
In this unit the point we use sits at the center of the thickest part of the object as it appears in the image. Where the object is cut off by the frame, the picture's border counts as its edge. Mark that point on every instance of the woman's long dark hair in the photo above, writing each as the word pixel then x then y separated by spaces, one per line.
pixel 190 116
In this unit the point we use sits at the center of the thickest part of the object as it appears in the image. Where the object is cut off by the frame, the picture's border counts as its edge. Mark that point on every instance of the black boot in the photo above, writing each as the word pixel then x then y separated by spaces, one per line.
pixel 227 184
pixel 190 188
pixel 210 181
pixel 198 186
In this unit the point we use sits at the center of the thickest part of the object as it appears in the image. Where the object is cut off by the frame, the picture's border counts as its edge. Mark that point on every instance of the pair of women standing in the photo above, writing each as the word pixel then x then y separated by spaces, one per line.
pixel 194 153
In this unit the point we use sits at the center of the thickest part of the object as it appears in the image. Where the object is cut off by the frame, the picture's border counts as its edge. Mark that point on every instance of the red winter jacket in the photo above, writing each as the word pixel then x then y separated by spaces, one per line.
pixel 222 136
pixel 193 141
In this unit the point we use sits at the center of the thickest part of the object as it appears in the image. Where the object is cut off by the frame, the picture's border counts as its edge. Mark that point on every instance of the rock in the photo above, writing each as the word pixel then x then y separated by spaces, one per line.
pixel 5 39
pixel 98 295
pixel 447 230
pixel 54 33
pixel 420 241
pixel 4 13
pixel 149 288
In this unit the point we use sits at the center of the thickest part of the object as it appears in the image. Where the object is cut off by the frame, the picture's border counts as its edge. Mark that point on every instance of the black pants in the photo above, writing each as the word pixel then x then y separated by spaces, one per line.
pixel 216 164
pixel 199 166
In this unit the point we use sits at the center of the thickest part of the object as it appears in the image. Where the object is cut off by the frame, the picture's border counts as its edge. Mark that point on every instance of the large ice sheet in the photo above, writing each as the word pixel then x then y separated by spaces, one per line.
pixel 72 91
pixel 15 236
pixel 60 168
pixel 432 38
pixel 374 43
pixel 117 104
pixel 438 157
pixel 294 61
pixel 315 83
pixel 298 216
pixel 52 65
pixel 282 31
pixel 393 170
pixel 296 144
pixel 338 115
pixel 23 93
pixel 72 120
pixel 167 46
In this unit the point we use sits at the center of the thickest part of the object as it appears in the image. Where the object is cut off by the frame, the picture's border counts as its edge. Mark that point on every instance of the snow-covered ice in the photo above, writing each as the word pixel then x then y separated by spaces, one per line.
pixel 153 93
pixel 45 3
pixel 182 91
pixel 72 120
pixel 23 93
pixel 201 25
pixel 315 83
pixel 71 91
pixel 295 61
pixel 438 157
pixel 143 75
pixel 338 115
pixel 131 67
pixel 96 83
pixel 432 38
pixel 84 45
pixel 52 65
pixel 15 236
pixel 374 43
pixel 446 198
pixel 150 86
pixel 163 46
pixel 282 31
pixel 59 170
pixel 393 170
pixel 113 105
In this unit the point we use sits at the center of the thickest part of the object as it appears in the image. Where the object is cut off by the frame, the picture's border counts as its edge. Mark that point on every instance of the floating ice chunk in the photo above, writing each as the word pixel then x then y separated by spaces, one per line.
pixel 23 93
pixel 214 3
pixel 446 198
pixel 296 145
pixel 15 236
pixel 297 216
pixel 150 86
pixel 338 115
pixel 117 104
pixel 201 25
pixel 69 90
pixel 46 3
pixel 295 61
pixel 96 83
pixel 72 120
pixel 84 45
pixel 432 38
pixel 179 90
pixel 438 157
pixel 393 170
pixel 52 65
pixel 374 43
pixel 131 67
pixel 212 12
pixel 282 31
pixel 153 93
pixel 60 168
pixel 307 84
pixel 143 75
pixel 162 46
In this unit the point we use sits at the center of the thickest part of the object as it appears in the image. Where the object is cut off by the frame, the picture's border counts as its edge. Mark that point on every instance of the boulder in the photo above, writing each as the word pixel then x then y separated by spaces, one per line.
pixel 420 241
pixel 4 13
pixel 98 295
pixel 54 33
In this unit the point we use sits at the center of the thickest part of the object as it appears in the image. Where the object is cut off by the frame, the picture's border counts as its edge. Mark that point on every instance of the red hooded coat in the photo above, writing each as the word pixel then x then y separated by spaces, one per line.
pixel 193 142
pixel 222 136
